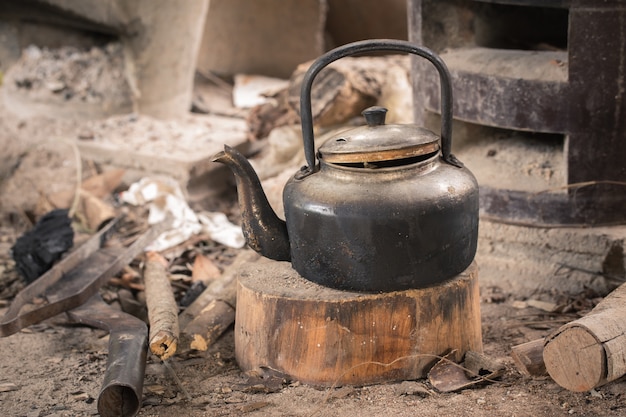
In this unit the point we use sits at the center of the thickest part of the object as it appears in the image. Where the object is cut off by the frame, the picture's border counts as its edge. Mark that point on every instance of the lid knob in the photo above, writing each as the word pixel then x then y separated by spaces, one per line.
pixel 375 115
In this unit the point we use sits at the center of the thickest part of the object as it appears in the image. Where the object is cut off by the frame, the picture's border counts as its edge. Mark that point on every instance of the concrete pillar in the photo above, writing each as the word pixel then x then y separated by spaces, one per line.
pixel 161 39
pixel 162 48
pixel 266 37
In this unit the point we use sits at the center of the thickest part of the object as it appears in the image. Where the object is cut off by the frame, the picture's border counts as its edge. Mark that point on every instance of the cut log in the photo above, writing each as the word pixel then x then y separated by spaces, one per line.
pixel 208 326
pixel 340 92
pixel 204 321
pixel 591 351
pixel 162 308
pixel 528 358
pixel 326 337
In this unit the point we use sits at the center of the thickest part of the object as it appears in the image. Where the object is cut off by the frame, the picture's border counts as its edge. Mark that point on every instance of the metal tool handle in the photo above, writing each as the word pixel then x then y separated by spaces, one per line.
pixel 122 387
pixel 371 46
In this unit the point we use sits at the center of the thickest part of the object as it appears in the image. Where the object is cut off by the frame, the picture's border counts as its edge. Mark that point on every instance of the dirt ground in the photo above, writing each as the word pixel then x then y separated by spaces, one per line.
pixel 55 368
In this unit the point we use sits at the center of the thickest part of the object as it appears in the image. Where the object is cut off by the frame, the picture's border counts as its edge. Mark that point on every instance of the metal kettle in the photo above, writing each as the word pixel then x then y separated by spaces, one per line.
pixel 378 208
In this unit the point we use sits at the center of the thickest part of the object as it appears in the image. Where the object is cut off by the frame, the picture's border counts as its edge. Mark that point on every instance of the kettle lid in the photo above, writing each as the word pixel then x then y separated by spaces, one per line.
pixel 378 142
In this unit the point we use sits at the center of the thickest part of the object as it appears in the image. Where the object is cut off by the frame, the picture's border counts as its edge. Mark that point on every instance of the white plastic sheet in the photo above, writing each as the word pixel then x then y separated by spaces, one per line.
pixel 164 197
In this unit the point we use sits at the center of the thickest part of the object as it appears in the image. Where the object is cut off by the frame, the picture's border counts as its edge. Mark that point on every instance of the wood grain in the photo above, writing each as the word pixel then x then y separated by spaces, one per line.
pixel 591 351
pixel 325 337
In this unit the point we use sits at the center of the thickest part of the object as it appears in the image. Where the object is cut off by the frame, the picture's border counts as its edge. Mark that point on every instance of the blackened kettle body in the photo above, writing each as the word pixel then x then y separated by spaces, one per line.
pixel 377 208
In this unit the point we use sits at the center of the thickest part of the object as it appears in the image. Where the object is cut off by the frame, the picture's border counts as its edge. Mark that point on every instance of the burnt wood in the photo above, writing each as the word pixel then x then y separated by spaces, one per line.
pixel 587 106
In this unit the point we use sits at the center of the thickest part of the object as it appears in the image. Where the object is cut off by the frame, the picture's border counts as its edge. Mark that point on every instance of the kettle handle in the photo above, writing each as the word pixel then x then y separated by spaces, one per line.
pixel 370 46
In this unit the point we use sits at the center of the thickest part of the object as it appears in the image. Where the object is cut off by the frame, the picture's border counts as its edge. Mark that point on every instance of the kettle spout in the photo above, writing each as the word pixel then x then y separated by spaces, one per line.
pixel 264 231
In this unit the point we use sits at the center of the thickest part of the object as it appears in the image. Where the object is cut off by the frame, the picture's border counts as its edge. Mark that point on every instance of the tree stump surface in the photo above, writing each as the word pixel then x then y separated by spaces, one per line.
pixel 327 337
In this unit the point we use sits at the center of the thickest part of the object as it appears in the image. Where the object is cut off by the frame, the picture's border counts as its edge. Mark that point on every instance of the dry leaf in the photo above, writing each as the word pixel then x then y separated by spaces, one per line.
pixel 448 376
pixel 61 199
pixel 104 184
pixel 94 210
pixel 204 270
pixel 156 257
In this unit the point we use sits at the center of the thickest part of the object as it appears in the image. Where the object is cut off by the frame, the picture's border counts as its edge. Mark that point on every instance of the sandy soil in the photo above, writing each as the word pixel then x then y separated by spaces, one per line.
pixel 56 369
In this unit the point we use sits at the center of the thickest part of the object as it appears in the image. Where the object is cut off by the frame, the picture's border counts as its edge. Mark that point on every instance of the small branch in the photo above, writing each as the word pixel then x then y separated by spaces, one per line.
pixel 578 185
pixel 79 176
pixel 162 308
pixel 528 358
pixel 204 321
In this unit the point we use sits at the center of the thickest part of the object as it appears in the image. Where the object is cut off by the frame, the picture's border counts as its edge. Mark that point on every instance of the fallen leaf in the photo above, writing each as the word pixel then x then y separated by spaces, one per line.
pixel 104 184
pixel 479 364
pixel 448 376
pixel 83 396
pixel 263 380
pixel 204 270
pixel 94 210
pixel 412 388
pixel 155 389
pixel 60 199
pixel 343 392
pixel 542 305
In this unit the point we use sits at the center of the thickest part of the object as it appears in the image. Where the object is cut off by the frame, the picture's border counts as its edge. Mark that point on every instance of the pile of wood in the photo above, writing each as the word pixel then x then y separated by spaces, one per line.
pixel 203 321
pixel 340 92
pixel 584 354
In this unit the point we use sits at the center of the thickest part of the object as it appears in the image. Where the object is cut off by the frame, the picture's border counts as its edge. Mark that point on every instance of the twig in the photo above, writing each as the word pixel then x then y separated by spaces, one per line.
pixel 79 176
pixel 578 185
pixel 206 319
pixel 610 277
pixel 215 80
pixel 177 380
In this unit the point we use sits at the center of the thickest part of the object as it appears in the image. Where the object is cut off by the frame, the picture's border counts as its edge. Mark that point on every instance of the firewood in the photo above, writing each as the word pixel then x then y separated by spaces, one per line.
pixel 591 351
pixel 528 358
pixel 206 319
pixel 339 93
pixel 209 325
pixel 162 308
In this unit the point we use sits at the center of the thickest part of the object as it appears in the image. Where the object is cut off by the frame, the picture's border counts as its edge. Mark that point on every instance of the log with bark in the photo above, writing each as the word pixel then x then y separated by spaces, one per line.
pixel 591 351
pixel 206 319
pixel 340 92
pixel 528 358
pixel 162 308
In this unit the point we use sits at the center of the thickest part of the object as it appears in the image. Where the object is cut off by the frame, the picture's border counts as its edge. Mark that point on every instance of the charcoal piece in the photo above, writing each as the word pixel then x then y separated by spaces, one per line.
pixel 192 293
pixel 38 249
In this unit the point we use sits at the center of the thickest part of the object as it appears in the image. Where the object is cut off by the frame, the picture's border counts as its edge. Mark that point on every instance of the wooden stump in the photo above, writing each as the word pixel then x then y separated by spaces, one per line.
pixel 325 337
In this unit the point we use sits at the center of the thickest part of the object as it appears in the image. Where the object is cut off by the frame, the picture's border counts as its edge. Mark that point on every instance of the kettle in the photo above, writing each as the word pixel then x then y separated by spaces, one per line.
pixel 378 208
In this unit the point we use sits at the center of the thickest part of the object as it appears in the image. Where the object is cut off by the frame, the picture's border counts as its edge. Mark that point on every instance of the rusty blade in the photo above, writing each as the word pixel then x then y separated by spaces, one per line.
pixel 68 285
